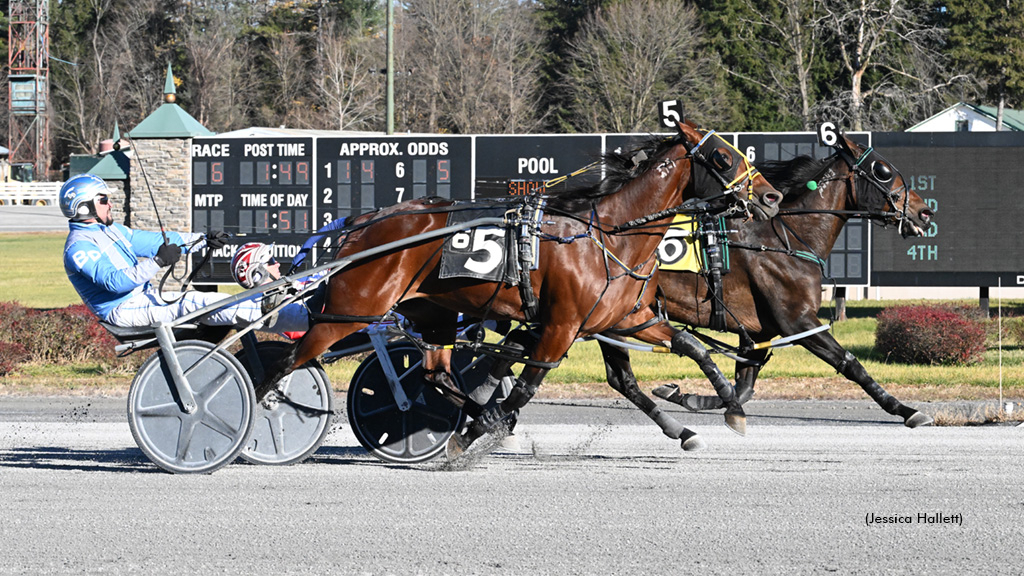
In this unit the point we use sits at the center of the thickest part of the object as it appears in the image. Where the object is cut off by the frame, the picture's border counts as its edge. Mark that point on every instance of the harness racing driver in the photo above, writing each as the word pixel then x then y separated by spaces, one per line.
pixel 110 266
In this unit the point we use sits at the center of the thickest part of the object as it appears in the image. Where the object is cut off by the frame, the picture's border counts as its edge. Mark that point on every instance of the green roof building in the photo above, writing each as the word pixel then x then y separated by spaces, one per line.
pixel 169 120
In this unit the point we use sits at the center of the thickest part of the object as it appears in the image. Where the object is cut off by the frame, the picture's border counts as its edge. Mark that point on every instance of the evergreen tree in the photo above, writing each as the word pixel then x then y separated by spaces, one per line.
pixel 749 52
pixel 987 40
pixel 560 20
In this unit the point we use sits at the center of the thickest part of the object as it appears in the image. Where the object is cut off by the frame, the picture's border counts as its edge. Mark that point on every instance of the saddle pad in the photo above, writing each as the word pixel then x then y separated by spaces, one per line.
pixel 680 248
pixel 481 252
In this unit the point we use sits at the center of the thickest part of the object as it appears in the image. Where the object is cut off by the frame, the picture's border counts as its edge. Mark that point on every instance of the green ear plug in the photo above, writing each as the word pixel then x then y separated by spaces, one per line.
pixel 812 185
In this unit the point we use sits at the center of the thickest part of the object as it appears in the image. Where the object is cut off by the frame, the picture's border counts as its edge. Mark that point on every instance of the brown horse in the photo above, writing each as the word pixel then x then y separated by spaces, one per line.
pixel 774 285
pixel 594 264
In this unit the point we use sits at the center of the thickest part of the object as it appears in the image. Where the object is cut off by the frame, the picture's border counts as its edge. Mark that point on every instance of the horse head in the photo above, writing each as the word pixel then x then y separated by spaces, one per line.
pixel 744 189
pixel 893 202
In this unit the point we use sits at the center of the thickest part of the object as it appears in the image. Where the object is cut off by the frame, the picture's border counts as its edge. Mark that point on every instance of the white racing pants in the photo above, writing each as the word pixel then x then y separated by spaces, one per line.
pixel 149 309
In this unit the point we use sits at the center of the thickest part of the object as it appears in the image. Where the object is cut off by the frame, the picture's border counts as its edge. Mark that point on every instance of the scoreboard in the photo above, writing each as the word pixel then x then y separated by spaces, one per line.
pixel 280 190
pixel 254 187
pixel 972 181
pixel 509 166
pixel 359 175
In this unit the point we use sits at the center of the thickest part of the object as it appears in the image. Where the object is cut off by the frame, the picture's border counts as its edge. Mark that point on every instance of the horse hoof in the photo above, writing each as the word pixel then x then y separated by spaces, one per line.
pixel 694 443
pixel 454 449
pixel 918 419
pixel 736 422
pixel 668 392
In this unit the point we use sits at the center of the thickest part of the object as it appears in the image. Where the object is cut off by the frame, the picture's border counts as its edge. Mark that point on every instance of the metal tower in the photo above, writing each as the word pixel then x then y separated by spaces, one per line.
pixel 29 83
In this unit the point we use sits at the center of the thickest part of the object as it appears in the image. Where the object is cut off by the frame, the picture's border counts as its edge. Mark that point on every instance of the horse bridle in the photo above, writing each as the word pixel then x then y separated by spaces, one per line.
pixel 743 180
pixel 880 173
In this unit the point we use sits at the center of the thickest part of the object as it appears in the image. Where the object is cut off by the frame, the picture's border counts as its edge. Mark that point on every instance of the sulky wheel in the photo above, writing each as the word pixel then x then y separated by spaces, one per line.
pixel 293 422
pixel 212 435
pixel 389 433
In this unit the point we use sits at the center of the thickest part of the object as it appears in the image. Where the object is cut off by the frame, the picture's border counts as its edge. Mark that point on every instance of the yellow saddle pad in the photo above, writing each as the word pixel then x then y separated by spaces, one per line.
pixel 681 248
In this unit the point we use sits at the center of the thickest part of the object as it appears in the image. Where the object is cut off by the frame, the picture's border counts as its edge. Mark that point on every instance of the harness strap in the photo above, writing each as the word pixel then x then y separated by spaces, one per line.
pixel 525 258
pixel 344 318
pixel 509 353
pixel 630 331
pixel 188 279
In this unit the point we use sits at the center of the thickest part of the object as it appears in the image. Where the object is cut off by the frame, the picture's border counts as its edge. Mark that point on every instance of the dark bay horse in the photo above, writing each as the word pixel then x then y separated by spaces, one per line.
pixel 595 261
pixel 771 292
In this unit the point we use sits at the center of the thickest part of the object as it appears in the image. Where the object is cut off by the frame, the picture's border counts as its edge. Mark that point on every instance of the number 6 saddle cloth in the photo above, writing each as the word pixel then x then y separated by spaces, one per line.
pixel 684 247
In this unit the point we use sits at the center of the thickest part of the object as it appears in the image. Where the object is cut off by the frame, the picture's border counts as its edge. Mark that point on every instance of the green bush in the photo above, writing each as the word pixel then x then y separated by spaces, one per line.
pixel 1014 329
pixel 929 335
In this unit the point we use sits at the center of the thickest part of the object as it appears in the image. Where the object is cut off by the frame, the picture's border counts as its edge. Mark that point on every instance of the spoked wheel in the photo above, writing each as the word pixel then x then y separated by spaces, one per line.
pixel 406 436
pixel 212 435
pixel 293 422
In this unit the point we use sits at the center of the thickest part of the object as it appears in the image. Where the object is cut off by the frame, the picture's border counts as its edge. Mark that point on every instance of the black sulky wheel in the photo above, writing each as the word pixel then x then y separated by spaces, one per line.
pixel 215 432
pixel 292 423
pixel 406 436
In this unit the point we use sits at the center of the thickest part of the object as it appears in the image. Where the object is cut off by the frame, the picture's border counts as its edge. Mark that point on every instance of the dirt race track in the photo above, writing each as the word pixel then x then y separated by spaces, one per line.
pixel 593 489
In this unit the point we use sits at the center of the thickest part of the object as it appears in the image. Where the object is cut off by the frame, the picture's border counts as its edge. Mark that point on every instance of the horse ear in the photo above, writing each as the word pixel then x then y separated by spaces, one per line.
pixel 689 130
pixel 846 144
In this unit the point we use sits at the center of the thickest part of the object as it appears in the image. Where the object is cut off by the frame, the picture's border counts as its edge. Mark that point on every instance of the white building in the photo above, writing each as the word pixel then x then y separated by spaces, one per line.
pixel 963 117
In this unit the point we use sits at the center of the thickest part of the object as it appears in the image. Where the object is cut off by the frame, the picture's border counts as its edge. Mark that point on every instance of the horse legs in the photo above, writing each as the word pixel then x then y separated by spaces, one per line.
pixel 318 339
pixel 746 376
pixel 684 344
pixel 824 346
pixel 552 345
pixel 502 414
pixel 621 378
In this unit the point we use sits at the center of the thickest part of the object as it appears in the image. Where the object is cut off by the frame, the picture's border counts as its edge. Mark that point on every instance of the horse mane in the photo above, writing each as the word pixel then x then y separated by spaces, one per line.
pixel 791 176
pixel 619 168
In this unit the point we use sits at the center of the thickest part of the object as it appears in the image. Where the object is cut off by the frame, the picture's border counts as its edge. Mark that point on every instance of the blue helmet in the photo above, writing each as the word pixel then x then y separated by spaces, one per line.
pixel 77 196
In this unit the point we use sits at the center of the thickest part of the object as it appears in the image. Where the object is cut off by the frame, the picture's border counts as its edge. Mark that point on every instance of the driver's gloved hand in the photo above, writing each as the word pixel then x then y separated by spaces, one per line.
pixel 167 255
pixel 216 239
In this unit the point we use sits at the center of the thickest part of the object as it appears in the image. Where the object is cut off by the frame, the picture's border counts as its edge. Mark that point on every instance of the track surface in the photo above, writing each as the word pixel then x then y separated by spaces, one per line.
pixel 595 489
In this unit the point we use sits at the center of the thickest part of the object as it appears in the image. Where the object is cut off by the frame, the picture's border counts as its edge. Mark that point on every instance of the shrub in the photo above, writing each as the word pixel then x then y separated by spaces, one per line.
pixel 68 335
pixel 65 335
pixel 11 354
pixel 11 312
pixel 929 335
pixel 1014 328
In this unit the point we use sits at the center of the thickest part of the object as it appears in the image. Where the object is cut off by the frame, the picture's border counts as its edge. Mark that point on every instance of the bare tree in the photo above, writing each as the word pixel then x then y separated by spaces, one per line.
pixel 629 56
pixel 219 85
pixel 474 65
pixel 292 105
pixel 518 47
pixel 428 21
pixel 137 58
pixel 892 61
pixel 347 86
pixel 792 28
pixel 80 92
